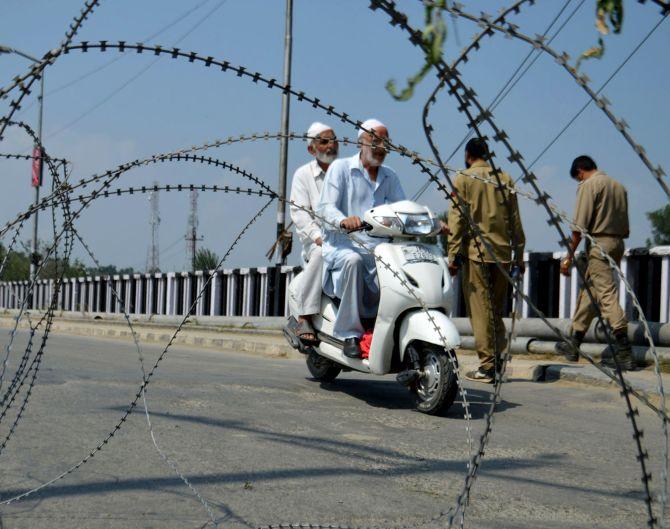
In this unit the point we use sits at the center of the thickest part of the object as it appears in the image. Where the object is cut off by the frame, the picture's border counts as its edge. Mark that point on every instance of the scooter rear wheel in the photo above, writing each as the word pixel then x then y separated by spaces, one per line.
pixel 435 391
pixel 321 368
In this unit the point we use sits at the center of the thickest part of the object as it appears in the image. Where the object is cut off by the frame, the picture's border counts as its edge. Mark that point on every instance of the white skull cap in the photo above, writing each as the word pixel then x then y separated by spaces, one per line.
pixel 370 124
pixel 317 128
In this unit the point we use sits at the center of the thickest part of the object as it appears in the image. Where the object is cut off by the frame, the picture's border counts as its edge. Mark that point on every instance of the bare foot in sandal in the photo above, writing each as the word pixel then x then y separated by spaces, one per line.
pixel 305 331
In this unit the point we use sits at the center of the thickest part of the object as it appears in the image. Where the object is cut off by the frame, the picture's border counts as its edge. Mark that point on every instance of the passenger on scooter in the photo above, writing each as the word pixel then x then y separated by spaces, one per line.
pixel 352 186
pixel 305 192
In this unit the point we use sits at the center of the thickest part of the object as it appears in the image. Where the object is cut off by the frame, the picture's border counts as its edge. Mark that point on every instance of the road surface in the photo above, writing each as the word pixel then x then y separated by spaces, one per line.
pixel 264 444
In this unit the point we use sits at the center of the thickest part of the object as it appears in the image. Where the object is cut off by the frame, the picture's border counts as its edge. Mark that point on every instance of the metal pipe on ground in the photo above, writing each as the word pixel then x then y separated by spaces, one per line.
pixel 641 354
pixel 536 328
pixel 522 345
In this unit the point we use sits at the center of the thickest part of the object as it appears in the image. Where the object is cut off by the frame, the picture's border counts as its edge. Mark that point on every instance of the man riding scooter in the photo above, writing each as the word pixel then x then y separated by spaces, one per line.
pixel 352 186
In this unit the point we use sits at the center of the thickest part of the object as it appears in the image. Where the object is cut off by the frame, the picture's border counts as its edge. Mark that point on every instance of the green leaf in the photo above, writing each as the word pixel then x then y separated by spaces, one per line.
pixel 607 12
pixel 596 52
pixel 433 37
pixel 407 92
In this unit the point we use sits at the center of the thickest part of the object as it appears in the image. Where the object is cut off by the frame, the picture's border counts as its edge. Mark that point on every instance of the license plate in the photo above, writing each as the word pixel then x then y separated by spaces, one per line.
pixel 418 254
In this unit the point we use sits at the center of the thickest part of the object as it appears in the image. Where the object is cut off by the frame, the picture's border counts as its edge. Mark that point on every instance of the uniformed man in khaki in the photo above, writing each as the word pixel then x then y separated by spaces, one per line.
pixel 495 211
pixel 602 210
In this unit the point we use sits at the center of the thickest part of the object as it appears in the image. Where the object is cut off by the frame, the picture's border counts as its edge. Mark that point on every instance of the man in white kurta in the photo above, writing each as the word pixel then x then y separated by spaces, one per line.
pixel 305 291
pixel 351 187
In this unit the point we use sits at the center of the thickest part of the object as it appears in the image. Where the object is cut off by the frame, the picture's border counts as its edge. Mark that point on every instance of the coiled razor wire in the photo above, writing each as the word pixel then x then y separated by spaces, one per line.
pixel 57 199
pixel 21 374
pixel 511 30
pixel 658 172
pixel 25 82
pixel 147 378
pixel 316 105
pixel 452 357
pixel 395 273
pixel 517 290
pixel 147 416
pixel 466 98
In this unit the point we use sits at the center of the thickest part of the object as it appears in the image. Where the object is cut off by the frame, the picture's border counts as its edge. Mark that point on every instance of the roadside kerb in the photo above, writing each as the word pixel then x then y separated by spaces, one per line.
pixel 264 337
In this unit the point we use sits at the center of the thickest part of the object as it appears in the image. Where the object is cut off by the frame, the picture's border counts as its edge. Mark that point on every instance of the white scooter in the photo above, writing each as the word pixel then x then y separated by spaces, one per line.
pixel 405 339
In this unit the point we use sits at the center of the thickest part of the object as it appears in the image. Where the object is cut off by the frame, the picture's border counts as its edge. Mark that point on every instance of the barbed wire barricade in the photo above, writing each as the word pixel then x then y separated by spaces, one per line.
pixel 466 98
pixel 125 166
pixel 100 195
pixel 62 197
pixel 112 177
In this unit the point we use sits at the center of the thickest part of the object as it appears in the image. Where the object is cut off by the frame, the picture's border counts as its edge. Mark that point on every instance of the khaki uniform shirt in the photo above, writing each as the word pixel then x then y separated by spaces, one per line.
pixel 496 216
pixel 602 206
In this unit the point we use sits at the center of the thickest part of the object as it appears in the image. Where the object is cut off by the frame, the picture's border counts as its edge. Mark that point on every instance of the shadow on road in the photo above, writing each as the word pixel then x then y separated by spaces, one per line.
pixel 391 395
pixel 397 463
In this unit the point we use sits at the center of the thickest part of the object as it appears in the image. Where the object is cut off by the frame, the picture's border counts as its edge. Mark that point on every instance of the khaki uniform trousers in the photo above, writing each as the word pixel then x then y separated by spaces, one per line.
pixel 603 287
pixel 485 303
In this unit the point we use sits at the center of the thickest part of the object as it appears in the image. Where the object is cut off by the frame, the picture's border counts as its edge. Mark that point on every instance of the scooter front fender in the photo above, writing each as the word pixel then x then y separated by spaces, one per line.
pixel 417 325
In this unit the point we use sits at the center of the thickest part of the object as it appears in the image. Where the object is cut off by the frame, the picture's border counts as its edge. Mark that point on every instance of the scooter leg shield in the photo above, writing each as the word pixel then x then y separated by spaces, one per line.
pixel 423 325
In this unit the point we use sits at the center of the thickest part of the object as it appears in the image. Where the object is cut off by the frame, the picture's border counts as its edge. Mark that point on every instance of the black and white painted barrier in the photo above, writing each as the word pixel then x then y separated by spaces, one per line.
pixel 262 291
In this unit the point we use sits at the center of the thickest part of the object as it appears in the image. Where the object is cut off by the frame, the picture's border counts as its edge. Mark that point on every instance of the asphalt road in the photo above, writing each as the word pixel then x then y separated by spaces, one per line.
pixel 264 444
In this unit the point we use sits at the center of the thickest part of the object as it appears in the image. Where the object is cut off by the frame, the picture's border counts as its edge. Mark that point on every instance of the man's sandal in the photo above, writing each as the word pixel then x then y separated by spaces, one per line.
pixel 303 330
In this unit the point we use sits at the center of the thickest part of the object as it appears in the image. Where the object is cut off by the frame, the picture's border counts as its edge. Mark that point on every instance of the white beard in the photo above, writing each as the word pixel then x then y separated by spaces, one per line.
pixel 372 160
pixel 325 157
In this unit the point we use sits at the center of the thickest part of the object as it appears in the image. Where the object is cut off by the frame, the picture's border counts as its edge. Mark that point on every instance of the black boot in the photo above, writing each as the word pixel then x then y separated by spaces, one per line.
pixel 570 348
pixel 351 348
pixel 624 353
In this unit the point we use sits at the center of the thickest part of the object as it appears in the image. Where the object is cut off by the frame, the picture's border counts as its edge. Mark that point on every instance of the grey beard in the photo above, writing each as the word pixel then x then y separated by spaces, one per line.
pixel 372 160
pixel 325 157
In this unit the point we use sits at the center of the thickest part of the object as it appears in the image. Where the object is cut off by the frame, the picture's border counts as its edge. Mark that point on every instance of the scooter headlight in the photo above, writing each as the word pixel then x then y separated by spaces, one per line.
pixel 389 222
pixel 418 225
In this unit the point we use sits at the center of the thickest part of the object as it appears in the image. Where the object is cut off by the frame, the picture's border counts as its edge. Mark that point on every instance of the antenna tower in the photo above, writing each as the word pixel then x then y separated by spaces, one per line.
pixel 192 229
pixel 154 222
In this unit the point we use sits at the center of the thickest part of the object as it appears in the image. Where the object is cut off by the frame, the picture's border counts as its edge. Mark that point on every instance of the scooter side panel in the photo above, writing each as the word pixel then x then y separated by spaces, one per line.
pixel 392 302
pixel 395 299
pixel 333 353
pixel 418 326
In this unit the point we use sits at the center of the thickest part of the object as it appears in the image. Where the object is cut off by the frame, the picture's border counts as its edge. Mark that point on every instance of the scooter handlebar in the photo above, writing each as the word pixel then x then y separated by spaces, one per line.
pixel 365 226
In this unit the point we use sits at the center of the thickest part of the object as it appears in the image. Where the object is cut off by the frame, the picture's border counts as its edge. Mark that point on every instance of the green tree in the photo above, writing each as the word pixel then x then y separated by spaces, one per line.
pixel 205 259
pixel 109 270
pixel 17 267
pixel 52 268
pixel 660 226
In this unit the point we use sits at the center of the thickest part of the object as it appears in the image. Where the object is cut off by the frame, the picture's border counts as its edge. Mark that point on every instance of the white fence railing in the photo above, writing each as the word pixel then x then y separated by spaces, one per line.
pixel 261 291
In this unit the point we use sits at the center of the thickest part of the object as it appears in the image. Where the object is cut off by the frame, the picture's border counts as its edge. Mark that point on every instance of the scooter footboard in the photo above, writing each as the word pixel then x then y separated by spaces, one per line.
pixel 417 325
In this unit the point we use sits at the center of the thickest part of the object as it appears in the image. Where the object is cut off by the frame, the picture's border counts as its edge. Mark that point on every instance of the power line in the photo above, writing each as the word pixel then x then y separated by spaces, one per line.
pixel 501 95
pixel 602 87
pixel 137 75
pixel 538 53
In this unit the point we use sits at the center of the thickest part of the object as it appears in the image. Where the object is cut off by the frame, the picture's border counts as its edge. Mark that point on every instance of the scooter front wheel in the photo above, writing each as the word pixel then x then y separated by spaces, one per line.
pixel 435 390
pixel 321 368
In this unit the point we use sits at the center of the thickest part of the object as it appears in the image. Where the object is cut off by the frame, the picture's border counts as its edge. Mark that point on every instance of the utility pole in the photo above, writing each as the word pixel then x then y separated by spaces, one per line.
pixel 154 220
pixel 38 166
pixel 283 141
pixel 192 229
pixel 275 277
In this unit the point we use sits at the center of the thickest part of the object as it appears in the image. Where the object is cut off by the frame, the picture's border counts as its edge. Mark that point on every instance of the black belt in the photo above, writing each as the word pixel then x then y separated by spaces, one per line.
pixel 616 236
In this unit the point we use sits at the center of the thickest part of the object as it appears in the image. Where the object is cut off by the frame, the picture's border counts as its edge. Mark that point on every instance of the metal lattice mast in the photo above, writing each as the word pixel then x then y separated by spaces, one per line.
pixel 154 220
pixel 192 229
